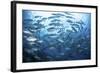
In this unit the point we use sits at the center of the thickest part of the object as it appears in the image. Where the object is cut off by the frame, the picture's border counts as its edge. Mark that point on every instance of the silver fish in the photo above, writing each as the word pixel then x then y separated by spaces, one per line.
pixel 31 39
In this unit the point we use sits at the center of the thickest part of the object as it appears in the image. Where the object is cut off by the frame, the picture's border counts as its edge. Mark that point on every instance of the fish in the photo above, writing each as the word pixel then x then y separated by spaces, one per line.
pixel 31 39
pixel 35 26
pixel 32 43
pixel 37 16
pixel 70 21
pixel 67 48
pixel 50 57
pixel 43 19
pixel 62 53
pixel 60 40
pixel 77 26
pixel 25 36
pixel 73 24
pixel 27 21
pixel 27 32
pixel 80 22
pixel 69 17
pixel 74 29
pixel 55 20
pixel 52 35
pixel 78 45
pixel 33 30
pixel 68 30
pixel 28 50
pixel 51 17
pixel 51 29
pixel 52 48
pixel 68 13
pixel 37 57
pixel 58 14
pixel 40 41
pixel 80 27
pixel 38 21
pixel 35 49
pixel 55 24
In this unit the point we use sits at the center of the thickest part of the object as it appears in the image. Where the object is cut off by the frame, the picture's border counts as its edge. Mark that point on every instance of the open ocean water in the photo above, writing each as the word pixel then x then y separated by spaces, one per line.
pixel 56 36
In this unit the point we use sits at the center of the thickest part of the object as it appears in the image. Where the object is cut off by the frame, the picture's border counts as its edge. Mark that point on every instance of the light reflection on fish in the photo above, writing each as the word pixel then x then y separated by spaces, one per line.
pixel 31 39
pixel 60 40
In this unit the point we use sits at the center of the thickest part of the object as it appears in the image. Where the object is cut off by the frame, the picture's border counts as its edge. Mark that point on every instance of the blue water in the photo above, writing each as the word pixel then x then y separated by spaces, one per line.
pixel 56 36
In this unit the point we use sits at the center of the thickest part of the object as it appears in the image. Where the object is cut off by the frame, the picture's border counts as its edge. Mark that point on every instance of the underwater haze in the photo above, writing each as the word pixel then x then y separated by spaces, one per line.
pixel 56 36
